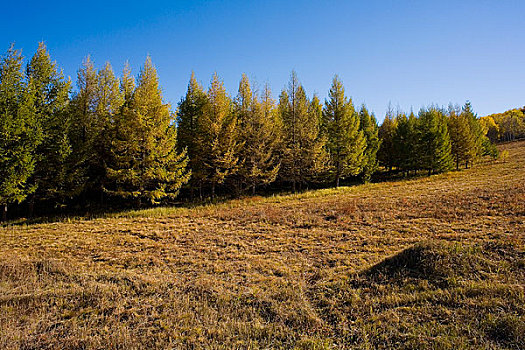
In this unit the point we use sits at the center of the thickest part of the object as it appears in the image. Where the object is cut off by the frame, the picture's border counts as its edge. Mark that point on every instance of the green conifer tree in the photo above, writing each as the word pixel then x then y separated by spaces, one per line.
pixel 461 139
pixel 145 163
pixel 190 136
pixel 406 143
pixel 259 161
pixel 346 142
pixel 51 102
pixel 368 125
pixel 386 133
pixel 220 143
pixel 434 146
pixel 476 134
pixel 303 152
pixel 85 127
pixel 20 134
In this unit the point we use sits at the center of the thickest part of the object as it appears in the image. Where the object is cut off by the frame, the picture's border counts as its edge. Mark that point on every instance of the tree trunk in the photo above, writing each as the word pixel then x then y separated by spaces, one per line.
pixel 31 207
pixel 337 177
pixel 293 185
pixel 4 213
pixel 213 190
pixel 253 189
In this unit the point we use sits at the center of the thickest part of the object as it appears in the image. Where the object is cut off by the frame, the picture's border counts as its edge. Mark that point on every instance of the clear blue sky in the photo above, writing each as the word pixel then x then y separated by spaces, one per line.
pixel 409 53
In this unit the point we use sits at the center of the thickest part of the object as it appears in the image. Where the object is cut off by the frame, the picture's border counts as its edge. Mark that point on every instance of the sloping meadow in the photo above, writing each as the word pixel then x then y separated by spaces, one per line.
pixel 433 262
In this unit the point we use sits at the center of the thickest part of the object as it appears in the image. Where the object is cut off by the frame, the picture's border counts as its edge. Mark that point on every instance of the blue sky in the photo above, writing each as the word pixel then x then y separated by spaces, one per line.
pixel 407 53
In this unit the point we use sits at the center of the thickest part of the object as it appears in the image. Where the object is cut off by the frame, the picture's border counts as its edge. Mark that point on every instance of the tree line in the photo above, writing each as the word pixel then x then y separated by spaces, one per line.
pixel 506 126
pixel 115 140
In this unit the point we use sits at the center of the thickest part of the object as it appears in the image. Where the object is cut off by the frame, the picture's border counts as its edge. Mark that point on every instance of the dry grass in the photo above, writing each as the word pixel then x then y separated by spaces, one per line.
pixel 433 262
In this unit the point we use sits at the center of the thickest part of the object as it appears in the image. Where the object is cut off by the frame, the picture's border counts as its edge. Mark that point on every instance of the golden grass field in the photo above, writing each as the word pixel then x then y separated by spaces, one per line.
pixel 433 262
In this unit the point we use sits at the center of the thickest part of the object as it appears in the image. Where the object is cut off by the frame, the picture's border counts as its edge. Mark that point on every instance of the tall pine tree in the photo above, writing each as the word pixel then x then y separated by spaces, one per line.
pixel 189 135
pixel 220 143
pixel 386 133
pixel 145 162
pixel 461 139
pixel 368 125
pixel 85 127
pixel 346 142
pixel 259 161
pixel 303 152
pixel 19 131
pixel 51 102
pixel 434 141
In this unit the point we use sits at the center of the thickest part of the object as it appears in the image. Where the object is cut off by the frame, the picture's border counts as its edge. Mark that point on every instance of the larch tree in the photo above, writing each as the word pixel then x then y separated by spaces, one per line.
pixel 257 133
pixel 145 163
pixel 386 133
pixel 476 134
pixel 461 139
pixel 406 143
pixel 346 141
pixel 303 152
pixel 189 135
pixel 85 127
pixel 51 100
pixel 434 141
pixel 368 125
pixel 20 133
pixel 220 141
pixel 109 101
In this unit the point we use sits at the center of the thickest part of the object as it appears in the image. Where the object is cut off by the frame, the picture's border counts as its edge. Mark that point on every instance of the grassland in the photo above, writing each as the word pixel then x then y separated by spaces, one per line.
pixel 434 262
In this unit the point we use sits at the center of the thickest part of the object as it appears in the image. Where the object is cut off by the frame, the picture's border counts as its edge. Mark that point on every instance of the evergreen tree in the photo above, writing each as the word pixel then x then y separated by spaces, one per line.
pixel 475 133
pixel 315 145
pixel 19 131
pixel 51 101
pixel 368 125
pixel 220 144
pixel 461 139
pixel 259 160
pixel 85 127
pixel 145 163
pixel 386 133
pixel 109 101
pixel 406 143
pixel 127 86
pixel 303 153
pixel 434 147
pixel 346 141
pixel 190 136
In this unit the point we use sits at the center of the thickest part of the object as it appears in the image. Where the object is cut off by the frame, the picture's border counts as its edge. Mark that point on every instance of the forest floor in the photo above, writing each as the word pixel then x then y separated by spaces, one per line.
pixel 431 262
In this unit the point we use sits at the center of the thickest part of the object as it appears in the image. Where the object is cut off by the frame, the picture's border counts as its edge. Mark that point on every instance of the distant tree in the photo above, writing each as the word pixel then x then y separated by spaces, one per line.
pixel 346 140
pixel 368 124
pixel 190 136
pixel 476 133
pixel 20 134
pixel 461 139
pixel 434 147
pixel 406 143
pixel 259 161
pixel 386 132
pixel 145 163
pixel 220 143
pixel 303 153
pixel 51 99
pixel 490 128
pixel 510 124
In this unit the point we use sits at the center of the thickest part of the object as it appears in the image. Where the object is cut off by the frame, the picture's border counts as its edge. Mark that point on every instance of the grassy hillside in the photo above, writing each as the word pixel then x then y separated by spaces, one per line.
pixel 434 262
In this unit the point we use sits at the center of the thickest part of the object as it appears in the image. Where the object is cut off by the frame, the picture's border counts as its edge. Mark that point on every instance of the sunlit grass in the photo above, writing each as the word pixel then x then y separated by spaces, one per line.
pixel 428 262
